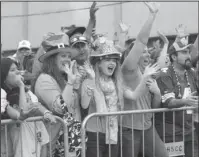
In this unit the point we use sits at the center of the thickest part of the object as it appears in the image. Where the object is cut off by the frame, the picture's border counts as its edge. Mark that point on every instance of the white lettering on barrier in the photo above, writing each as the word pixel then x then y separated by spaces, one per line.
pixel 175 148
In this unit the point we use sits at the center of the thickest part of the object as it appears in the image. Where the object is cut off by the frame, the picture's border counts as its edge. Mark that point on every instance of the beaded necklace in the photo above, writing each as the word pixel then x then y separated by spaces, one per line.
pixel 178 83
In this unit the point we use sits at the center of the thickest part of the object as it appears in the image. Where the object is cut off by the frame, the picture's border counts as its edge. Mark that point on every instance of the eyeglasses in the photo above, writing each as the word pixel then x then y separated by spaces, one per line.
pixel 79 38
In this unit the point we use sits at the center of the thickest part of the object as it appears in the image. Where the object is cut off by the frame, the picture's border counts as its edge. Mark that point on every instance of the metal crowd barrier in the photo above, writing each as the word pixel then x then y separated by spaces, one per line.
pixel 153 111
pixel 35 119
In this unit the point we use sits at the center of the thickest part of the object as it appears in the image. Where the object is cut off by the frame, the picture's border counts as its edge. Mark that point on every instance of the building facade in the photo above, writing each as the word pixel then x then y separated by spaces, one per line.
pixel 47 17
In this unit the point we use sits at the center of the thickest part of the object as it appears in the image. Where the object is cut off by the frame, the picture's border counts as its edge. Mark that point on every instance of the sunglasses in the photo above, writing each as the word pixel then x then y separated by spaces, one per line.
pixel 79 38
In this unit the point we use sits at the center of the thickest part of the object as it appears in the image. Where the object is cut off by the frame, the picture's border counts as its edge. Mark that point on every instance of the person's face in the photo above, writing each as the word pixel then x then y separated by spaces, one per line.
pixel 84 52
pixel 12 77
pixel 144 59
pixel 23 52
pixel 183 58
pixel 62 59
pixel 107 66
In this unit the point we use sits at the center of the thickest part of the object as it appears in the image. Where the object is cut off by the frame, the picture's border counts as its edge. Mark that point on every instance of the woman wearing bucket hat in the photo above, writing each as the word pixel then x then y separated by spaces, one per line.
pixel 54 85
pixel 24 101
pixel 103 92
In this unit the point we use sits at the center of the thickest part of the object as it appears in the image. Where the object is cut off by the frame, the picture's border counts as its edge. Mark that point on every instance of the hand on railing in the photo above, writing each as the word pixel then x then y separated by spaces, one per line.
pixel 24 114
pixel 48 116
pixel 192 100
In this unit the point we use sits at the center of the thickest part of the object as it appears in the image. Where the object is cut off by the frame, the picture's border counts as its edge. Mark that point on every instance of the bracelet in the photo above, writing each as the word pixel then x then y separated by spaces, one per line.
pixel 69 84
pixel 47 112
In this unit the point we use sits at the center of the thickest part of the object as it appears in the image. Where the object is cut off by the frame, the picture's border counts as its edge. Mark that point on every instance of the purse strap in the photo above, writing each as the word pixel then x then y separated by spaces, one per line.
pixel 63 104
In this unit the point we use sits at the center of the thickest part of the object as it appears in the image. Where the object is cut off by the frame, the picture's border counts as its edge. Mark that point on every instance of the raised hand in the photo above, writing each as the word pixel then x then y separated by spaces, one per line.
pixel 93 10
pixel 153 6
pixel 163 37
pixel 151 70
pixel 181 31
pixel 69 70
pixel 124 28
pixel 89 70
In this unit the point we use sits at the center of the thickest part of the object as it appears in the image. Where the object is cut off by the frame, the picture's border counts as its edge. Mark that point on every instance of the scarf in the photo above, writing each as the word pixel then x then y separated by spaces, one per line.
pixel 111 105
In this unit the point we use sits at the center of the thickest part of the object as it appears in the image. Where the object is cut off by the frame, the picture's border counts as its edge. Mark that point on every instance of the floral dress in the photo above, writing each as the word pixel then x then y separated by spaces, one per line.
pixel 74 131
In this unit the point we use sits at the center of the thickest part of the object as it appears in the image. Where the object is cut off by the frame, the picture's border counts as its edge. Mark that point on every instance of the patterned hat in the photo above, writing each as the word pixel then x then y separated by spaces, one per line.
pixel 55 43
pixel 75 30
pixel 181 41
pixel 104 48
pixel 180 44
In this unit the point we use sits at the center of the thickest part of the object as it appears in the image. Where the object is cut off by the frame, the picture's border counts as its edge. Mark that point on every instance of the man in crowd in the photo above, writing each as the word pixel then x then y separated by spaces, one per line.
pixel 23 52
pixel 178 89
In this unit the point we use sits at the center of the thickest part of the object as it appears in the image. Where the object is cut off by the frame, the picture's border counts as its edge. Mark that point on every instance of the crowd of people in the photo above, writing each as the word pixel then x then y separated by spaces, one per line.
pixel 78 72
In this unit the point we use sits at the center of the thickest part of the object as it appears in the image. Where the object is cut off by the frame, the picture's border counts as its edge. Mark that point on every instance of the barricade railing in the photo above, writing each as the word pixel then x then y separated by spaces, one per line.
pixel 169 146
pixel 7 122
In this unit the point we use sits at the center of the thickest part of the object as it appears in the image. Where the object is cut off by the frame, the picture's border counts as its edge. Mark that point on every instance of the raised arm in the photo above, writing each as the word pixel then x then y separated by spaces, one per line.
pixel 36 67
pixel 194 52
pixel 124 30
pixel 163 54
pixel 22 93
pixel 86 93
pixel 141 88
pixel 131 62
pixel 92 21
pixel 196 43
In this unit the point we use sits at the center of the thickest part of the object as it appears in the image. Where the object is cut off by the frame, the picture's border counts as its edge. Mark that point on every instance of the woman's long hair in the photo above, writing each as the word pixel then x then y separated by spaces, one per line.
pixel 116 78
pixel 49 67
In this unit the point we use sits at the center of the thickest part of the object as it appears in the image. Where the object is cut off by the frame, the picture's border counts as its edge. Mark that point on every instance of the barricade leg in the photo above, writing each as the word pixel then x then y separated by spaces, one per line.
pixel 160 149
pixel 127 142
pixel 6 144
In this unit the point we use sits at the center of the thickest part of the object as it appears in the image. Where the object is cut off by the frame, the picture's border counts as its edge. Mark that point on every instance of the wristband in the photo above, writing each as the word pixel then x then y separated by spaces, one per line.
pixel 69 84
pixel 47 112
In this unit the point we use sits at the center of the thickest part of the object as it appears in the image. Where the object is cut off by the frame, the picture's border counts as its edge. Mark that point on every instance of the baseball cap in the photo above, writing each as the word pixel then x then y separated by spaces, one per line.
pixel 24 44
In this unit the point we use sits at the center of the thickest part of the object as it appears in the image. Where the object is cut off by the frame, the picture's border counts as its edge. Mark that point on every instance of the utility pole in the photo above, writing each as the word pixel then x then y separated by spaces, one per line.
pixel 25 20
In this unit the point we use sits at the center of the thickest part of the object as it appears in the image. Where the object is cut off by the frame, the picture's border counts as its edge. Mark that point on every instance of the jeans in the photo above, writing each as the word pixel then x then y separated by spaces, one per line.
pixel 103 147
pixel 127 149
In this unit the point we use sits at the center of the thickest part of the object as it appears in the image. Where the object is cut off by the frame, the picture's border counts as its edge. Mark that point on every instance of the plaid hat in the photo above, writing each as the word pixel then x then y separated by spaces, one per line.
pixel 55 43
pixel 105 48
pixel 24 44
